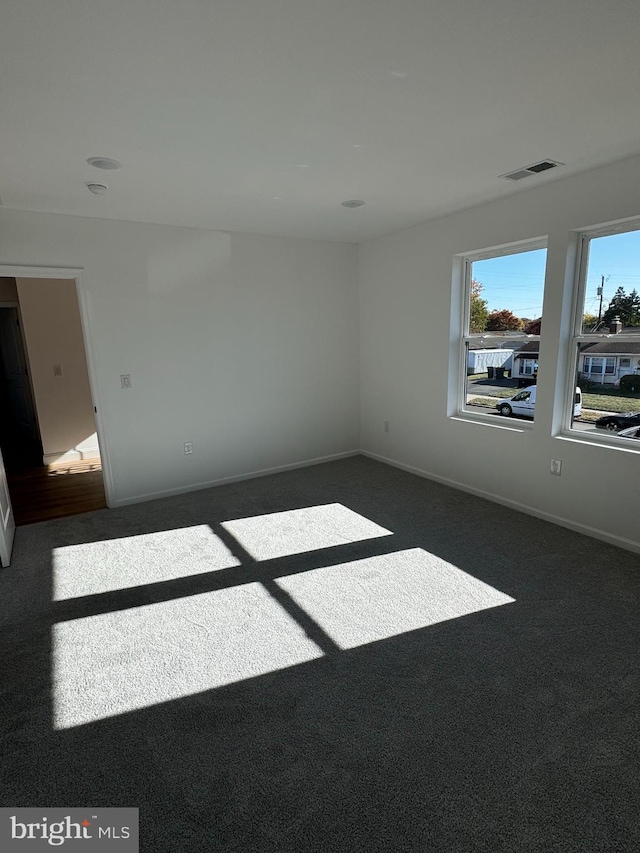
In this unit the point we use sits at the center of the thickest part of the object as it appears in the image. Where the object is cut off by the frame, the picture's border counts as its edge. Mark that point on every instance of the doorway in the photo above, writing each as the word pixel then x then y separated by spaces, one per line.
pixel 48 434
pixel 19 433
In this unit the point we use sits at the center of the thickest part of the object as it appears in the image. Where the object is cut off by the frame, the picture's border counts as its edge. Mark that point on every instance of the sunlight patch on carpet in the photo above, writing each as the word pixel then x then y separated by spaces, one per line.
pixel 372 599
pixel 113 564
pixel 298 531
pixel 126 660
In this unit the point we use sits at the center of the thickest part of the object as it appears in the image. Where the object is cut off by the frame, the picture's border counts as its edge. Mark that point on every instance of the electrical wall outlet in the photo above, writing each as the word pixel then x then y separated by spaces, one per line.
pixel 188 447
pixel 386 426
pixel 125 380
pixel 556 467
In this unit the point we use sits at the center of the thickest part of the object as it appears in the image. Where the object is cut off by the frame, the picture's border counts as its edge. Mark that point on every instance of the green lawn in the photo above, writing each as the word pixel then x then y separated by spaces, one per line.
pixel 503 393
pixel 611 402
pixel 483 401
pixel 589 417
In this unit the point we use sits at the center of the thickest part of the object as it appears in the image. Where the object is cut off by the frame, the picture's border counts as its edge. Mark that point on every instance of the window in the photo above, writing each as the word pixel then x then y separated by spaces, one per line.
pixel 598 365
pixel 606 335
pixel 501 324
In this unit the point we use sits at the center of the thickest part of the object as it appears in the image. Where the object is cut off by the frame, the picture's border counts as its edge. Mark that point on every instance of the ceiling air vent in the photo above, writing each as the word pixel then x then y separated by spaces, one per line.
pixel 534 169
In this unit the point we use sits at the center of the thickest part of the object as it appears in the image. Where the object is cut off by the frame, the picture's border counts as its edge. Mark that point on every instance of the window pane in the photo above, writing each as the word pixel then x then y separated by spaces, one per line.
pixel 506 293
pixel 609 385
pixel 505 304
pixel 611 298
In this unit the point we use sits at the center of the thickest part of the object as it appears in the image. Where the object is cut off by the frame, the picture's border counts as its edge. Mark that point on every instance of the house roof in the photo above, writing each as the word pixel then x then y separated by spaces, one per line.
pixel 477 345
pixel 264 116
pixel 612 348
pixel 528 349
pixel 608 347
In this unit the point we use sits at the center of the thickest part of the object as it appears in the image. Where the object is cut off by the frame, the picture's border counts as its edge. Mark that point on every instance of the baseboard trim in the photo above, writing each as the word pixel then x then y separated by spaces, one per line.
pixel 593 532
pixel 236 478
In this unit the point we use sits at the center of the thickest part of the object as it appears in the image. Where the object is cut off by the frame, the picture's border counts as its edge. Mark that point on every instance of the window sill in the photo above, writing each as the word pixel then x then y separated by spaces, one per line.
pixel 496 421
pixel 597 439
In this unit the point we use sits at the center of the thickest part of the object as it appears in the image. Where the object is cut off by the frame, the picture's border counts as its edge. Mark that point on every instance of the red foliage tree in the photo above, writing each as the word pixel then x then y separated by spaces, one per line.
pixel 503 321
pixel 533 327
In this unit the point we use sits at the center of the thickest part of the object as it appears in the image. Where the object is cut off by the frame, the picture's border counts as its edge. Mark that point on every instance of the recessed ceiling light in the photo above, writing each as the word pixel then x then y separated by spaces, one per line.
pixel 97 189
pixel 302 166
pixel 352 202
pixel 104 163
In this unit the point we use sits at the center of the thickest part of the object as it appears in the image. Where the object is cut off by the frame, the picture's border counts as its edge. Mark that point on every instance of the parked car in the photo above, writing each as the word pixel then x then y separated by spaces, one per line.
pixel 523 403
pixel 614 423
pixel 629 432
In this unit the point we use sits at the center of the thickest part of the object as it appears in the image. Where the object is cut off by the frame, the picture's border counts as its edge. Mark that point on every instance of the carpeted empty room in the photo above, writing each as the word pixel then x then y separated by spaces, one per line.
pixel 345 657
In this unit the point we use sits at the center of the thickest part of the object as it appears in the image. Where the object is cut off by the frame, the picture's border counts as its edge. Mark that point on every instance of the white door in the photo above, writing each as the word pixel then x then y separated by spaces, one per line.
pixel 7 524
pixel 16 374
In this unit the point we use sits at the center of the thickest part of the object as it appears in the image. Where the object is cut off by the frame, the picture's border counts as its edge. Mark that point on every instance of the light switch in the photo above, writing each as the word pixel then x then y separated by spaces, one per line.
pixel 125 380
pixel 57 370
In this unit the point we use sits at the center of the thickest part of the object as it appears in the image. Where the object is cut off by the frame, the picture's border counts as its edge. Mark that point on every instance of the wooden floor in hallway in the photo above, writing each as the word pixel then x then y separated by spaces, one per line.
pixel 54 491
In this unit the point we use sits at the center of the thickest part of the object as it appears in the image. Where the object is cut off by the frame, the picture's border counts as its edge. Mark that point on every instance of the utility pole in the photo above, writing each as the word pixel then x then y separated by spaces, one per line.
pixel 600 293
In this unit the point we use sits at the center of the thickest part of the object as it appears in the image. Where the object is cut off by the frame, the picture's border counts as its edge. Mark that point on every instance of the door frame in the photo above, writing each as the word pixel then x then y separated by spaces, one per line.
pixel 78 275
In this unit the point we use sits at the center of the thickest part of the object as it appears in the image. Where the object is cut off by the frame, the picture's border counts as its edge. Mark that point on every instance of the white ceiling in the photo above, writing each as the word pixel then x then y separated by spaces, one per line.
pixel 263 115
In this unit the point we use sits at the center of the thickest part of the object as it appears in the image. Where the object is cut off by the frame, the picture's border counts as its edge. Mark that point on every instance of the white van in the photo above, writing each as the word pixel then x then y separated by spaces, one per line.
pixel 523 403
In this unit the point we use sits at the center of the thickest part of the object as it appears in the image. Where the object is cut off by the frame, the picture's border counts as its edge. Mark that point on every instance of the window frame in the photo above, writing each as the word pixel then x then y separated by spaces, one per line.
pixel 529 362
pixel 461 409
pixel 578 337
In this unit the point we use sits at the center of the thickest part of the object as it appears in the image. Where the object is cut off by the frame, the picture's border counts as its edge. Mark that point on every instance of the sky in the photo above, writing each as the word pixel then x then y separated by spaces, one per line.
pixel 617 258
pixel 517 281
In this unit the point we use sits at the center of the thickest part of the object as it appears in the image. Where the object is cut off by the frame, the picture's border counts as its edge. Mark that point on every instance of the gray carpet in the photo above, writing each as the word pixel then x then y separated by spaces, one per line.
pixel 340 658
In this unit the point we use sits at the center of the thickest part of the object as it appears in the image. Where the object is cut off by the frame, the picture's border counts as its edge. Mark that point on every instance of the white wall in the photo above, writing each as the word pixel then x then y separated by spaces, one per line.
pixel 245 345
pixel 53 338
pixel 248 346
pixel 407 342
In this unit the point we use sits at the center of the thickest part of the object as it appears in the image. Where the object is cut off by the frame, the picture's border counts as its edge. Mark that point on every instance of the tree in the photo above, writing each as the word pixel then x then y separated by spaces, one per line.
pixel 503 321
pixel 634 308
pixel 616 307
pixel 589 321
pixel 532 327
pixel 479 310
pixel 625 307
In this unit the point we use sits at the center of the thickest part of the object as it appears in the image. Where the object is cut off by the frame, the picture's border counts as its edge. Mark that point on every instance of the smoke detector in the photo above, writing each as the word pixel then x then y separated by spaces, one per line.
pixel 104 163
pixel 533 169
pixel 352 202
pixel 97 189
